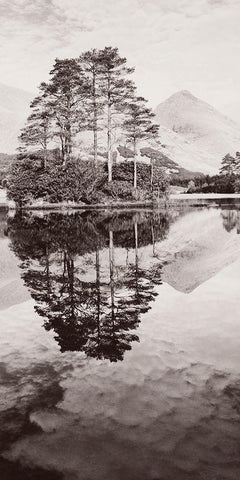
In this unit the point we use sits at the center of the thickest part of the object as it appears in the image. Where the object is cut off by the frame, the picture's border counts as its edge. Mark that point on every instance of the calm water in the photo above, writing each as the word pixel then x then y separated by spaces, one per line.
pixel 120 345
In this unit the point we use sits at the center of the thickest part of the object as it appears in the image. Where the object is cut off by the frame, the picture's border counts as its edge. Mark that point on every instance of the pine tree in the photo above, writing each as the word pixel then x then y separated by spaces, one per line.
pixel 37 132
pixel 116 90
pixel 90 61
pixel 67 92
pixel 138 126
pixel 228 165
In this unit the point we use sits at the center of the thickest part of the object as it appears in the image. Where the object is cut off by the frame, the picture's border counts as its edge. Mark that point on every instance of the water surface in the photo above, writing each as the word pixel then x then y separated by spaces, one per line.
pixel 120 345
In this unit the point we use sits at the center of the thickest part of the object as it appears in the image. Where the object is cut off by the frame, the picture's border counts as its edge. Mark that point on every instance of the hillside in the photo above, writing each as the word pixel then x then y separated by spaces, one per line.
pixel 14 109
pixel 160 159
pixel 186 154
pixel 204 134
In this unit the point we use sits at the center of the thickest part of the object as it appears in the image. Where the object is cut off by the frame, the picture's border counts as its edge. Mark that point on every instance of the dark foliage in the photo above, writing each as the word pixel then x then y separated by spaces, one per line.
pixel 5 163
pixel 211 184
pixel 78 181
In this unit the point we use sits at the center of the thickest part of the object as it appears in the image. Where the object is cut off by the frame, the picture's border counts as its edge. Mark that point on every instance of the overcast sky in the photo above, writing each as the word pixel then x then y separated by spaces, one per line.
pixel 173 44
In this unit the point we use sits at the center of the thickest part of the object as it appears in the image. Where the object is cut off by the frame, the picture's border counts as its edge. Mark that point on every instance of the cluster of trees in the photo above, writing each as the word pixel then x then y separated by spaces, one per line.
pixel 92 93
pixel 227 181
pixel 96 313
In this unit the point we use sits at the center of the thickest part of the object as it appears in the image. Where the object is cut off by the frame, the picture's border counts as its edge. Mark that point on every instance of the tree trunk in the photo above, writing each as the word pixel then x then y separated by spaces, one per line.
pixel 45 149
pixel 136 256
pixel 151 177
pixel 95 143
pixel 111 270
pixel 98 293
pixel 48 270
pixel 95 139
pixel 70 272
pixel 153 238
pixel 135 166
pixel 62 149
pixel 109 146
pixel 68 142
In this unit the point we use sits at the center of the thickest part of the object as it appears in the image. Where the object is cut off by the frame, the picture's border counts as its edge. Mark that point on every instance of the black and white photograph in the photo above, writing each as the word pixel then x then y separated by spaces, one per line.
pixel 120 240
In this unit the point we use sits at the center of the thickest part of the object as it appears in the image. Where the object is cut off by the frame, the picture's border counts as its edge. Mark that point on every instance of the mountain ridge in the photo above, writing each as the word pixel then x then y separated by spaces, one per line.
pixel 200 125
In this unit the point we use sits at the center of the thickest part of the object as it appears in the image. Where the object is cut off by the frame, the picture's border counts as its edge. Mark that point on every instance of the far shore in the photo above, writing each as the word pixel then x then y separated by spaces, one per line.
pixel 205 196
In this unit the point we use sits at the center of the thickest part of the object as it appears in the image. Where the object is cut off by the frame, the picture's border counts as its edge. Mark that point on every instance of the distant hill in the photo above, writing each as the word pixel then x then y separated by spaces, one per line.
pixel 14 109
pixel 196 133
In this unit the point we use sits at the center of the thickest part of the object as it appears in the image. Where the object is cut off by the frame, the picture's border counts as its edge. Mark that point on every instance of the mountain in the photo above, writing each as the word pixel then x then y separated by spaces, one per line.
pixel 14 109
pixel 204 134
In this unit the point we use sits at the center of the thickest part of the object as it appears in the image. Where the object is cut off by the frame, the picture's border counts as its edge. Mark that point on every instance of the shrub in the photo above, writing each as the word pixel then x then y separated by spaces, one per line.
pixel 76 181
pixel 119 189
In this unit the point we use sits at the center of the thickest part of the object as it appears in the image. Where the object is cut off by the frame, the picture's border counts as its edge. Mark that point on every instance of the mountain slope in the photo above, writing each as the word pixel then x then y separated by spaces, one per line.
pixel 197 248
pixel 160 158
pixel 185 153
pixel 200 126
pixel 14 109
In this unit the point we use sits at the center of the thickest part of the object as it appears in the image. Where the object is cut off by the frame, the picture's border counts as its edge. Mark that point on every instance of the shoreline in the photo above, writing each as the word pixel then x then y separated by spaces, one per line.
pixel 204 196
pixel 93 206
pixel 172 200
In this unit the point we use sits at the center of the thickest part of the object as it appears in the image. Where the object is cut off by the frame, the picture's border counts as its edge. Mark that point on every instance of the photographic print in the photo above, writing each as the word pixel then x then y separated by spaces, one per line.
pixel 119 240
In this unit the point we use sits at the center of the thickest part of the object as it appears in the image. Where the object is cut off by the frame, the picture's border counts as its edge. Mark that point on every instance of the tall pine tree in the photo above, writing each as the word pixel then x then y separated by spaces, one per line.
pixel 116 91
pixel 67 92
pixel 38 129
pixel 90 61
pixel 138 126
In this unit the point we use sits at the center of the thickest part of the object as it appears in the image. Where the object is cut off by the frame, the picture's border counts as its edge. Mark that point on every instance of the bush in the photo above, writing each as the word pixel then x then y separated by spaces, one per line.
pixel 118 189
pixel 27 180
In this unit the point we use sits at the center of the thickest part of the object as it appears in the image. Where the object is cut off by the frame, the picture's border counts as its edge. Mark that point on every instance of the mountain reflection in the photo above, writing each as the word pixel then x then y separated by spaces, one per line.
pixel 84 272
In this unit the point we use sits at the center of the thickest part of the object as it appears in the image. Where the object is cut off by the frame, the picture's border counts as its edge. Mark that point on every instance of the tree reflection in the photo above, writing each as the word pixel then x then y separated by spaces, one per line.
pixel 231 220
pixel 68 263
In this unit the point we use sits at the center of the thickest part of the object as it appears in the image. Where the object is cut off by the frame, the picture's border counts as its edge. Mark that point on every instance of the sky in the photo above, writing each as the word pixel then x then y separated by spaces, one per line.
pixel 173 44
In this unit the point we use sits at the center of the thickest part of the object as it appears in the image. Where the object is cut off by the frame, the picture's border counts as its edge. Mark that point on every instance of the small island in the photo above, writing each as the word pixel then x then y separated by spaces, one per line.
pixel 88 101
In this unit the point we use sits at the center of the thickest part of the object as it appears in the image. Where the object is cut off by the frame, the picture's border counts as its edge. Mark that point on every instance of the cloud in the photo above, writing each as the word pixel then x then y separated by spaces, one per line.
pixel 174 44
